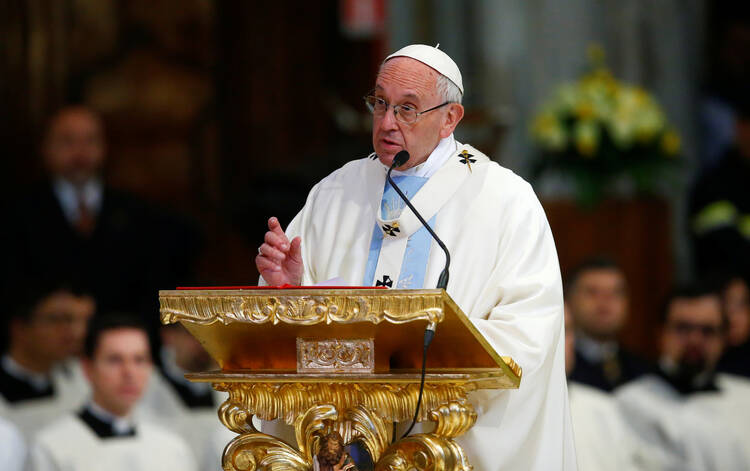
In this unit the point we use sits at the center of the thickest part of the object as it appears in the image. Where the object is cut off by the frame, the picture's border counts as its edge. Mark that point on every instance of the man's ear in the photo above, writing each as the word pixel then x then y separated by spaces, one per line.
pixel 452 117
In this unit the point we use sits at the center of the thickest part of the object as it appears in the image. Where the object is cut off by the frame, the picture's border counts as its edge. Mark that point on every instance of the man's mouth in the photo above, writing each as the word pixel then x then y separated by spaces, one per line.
pixel 390 144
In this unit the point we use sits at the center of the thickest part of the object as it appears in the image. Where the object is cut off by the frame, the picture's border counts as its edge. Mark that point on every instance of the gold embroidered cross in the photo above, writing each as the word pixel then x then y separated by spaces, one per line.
pixel 466 158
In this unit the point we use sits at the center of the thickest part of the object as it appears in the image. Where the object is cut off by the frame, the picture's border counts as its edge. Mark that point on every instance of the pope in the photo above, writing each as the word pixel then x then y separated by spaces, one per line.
pixel 505 274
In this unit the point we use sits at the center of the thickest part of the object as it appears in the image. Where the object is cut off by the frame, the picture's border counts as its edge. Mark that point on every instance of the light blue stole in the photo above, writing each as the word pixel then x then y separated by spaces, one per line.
pixel 414 264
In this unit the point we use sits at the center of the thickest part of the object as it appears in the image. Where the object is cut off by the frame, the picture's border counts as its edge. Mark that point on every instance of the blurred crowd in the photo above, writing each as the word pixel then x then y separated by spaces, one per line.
pixel 690 409
pixel 89 379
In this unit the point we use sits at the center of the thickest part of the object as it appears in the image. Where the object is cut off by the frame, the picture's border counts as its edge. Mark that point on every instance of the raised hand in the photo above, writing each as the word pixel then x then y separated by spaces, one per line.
pixel 280 261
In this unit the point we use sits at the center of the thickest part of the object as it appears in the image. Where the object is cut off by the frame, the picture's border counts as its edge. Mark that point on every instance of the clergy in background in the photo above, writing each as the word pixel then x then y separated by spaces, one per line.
pixel 505 274
pixel 597 295
pixel 103 434
pixel 686 416
pixel 40 373
pixel 603 441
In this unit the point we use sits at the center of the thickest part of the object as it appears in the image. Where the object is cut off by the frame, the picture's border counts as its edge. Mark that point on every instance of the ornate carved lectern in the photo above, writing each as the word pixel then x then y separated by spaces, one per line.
pixel 345 360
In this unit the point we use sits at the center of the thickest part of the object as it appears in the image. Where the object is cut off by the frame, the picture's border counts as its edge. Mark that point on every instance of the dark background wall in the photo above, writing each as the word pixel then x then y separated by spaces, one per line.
pixel 223 111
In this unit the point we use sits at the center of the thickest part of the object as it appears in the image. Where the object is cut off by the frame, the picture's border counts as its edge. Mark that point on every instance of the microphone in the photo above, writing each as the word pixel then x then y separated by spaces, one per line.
pixel 398 160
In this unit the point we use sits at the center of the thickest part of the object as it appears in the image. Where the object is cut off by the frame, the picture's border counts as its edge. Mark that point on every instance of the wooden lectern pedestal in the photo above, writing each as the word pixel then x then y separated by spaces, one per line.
pixel 345 360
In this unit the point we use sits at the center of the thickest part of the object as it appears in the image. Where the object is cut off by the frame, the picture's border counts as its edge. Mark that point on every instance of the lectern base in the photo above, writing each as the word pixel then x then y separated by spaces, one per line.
pixel 360 411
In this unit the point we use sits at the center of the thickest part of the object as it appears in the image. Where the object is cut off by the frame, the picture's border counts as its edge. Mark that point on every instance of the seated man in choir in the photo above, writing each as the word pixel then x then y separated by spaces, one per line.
pixel 103 434
pixel 40 376
pixel 597 295
pixel 685 415
pixel 186 407
pixel 504 274
pixel 602 440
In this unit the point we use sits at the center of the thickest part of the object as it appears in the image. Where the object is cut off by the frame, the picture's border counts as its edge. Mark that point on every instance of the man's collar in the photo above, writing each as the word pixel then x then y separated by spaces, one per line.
pixel 68 195
pixel 121 426
pixel 702 382
pixel 594 350
pixel 38 381
pixel 442 152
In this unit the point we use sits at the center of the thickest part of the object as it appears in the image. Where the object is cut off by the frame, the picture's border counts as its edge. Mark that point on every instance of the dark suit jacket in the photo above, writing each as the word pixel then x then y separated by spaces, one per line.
pixel 631 367
pixel 133 251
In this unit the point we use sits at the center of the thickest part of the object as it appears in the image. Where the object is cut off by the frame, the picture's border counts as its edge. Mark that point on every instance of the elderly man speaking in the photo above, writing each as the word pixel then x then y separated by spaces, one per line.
pixel 505 274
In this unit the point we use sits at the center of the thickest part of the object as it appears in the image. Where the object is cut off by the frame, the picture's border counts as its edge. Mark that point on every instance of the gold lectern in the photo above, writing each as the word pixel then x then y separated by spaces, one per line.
pixel 345 360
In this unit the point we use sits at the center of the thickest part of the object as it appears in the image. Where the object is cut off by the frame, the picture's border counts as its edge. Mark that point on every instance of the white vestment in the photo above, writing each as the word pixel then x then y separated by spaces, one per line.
pixel 692 432
pixel 71 392
pixel 70 445
pixel 12 447
pixel 199 427
pixel 504 275
pixel 603 442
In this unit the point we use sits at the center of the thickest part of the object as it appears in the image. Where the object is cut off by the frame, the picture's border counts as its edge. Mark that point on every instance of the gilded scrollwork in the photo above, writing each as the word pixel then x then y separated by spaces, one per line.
pixel 260 452
pixel 424 452
pixel 369 411
pixel 299 309
pixel 287 401
pixel 308 426
pixel 454 418
pixel 370 430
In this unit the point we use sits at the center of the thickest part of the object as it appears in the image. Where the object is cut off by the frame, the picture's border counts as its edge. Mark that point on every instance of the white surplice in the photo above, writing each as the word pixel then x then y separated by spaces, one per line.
pixel 694 432
pixel 504 275
pixel 12 447
pixel 603 441
pixel 68 444
pixel 199 426
pixel 71 389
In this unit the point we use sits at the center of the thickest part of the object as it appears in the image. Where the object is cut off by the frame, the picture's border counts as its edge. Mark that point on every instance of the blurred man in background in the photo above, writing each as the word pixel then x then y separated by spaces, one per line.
pixel 75 226
pixel 104 435
pixel 40 376
pixel 602 440
pixel 686 415
pixel 597 295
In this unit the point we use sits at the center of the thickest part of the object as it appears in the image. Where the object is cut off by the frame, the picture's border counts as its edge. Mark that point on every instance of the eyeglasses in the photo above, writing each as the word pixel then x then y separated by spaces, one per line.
pixel 404 113
pixel 686 328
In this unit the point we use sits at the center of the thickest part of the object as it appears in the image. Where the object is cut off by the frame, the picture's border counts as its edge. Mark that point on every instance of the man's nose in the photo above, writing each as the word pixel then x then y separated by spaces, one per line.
pixel 129 369
pixel 388 121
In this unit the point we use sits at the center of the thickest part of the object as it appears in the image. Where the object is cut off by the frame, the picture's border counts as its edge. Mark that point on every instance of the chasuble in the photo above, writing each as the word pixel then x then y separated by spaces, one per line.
pixel 504 275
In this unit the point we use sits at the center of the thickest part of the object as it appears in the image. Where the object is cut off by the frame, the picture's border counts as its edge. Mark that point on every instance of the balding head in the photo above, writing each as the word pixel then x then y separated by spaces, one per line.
pixel 73 146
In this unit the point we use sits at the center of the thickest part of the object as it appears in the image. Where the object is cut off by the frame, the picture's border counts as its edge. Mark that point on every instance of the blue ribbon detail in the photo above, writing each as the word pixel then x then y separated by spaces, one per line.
pixel 414 264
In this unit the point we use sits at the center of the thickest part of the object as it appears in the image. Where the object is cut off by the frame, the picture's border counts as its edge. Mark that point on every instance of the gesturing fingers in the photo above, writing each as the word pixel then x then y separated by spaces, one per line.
pixel 272 253
pixel 279 242
pixel 275 227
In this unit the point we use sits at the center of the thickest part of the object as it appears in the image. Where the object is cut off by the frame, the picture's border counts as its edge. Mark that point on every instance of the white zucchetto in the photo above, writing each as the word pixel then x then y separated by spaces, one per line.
pixel 433 57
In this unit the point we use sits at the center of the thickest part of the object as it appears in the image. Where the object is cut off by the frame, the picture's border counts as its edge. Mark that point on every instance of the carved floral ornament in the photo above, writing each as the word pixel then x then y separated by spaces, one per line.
pixel 364 415
pixel 300 310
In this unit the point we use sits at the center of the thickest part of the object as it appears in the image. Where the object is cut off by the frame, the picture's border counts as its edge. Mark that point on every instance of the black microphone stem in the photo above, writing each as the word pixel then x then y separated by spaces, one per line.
pixel 443 280
pixel 398 160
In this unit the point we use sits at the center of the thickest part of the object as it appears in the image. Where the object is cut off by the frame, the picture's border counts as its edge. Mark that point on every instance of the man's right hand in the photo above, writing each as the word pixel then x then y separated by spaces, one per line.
pixel 279 261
